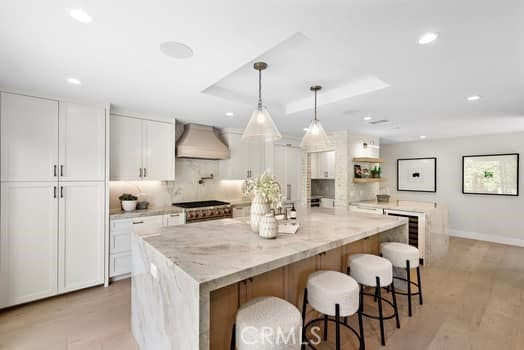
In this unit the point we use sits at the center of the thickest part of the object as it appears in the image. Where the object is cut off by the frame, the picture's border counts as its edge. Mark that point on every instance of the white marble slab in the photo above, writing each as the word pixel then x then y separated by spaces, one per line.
pixel 195 259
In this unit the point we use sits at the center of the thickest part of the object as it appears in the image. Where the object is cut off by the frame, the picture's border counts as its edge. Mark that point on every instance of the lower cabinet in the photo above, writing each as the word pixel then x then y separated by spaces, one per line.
pixel 241 211
pixel 286 282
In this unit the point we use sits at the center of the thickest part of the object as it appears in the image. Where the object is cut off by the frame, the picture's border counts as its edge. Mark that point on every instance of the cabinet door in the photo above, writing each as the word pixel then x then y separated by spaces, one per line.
pixel 147 225
pixel 28 242
pixel 159 150
pixel 236 167
pixel 256 157
pixel 126 148
pixel 315 165
pixel 29 134
pixel 293 171
pixel 348 250
pixel 174 219
pixel 267 284
pixel 296 279
pixel 330 164
pixel 331 260
pixel 372 245
pixel 82 143
pixel 81 235
pixel 223 310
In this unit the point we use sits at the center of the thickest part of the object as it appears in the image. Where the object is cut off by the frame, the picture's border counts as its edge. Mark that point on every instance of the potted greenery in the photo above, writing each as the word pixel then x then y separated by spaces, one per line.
pixel 376 171
pixel 128 202
pixel 267 196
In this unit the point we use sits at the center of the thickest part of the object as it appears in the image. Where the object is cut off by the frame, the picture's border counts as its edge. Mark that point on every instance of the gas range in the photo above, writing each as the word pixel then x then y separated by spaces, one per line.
pixel 205 210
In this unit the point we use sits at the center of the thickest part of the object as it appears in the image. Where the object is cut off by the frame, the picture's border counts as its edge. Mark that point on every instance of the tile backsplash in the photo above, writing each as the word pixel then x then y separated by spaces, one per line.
pixel 185 187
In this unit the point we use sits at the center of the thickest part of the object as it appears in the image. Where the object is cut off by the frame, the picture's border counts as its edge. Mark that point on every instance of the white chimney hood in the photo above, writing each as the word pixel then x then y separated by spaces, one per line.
pixel 201 141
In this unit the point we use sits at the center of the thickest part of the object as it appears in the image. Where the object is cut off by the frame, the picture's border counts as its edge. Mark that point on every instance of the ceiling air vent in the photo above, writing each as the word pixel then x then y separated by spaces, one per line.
pixel 376 122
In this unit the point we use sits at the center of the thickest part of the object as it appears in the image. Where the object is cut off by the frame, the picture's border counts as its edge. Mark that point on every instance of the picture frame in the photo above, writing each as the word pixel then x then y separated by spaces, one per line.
pixel 491 174
pixel 417 174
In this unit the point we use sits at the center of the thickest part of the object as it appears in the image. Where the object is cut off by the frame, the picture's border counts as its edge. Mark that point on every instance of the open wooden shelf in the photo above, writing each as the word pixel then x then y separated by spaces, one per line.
pixel 367 160
pixel 368 179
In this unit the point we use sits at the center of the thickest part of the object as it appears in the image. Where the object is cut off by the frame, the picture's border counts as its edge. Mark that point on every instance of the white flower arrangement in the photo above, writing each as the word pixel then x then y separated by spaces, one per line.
pixel 267 187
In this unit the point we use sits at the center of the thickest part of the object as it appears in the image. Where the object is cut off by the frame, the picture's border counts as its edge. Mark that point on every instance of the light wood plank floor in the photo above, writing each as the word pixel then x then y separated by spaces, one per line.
pixel 473 300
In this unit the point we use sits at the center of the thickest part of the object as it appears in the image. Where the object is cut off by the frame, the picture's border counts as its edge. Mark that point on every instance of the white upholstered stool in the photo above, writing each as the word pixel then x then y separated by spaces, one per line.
pixel 373 271
pixel 406 257
pixel 332 294
pixel 267 323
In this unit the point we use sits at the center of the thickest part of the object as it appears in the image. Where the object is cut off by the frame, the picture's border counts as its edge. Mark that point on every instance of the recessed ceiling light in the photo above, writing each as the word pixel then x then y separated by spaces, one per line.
pixel 176 50
pixel 427 38
pixel 230 114
pixel 422 137
pixel 80 15
pixel 367 118
pixel 73 81
pixel 473 98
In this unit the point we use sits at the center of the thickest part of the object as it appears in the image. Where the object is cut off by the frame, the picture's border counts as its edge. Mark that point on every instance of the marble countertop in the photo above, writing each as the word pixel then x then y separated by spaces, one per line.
pixel 417 206
pixel 222 252
pixel 118 214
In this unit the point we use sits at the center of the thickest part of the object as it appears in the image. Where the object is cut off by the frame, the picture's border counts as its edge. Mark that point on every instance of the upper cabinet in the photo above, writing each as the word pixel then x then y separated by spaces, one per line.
pixel 287 164
pixel 29 133
pixel 142 149
pixel 247 158
pixel 39 143
pixel 323 165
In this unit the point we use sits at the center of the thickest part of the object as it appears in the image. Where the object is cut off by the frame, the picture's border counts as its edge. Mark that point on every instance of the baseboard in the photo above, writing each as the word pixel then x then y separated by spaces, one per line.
pixel 487 237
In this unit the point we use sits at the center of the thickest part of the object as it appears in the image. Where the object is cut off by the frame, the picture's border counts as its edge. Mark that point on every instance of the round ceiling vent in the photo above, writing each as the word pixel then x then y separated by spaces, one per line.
pixel 176 50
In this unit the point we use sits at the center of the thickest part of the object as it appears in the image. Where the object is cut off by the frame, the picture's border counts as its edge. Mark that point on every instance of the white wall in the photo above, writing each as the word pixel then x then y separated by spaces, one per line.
pixel 495 218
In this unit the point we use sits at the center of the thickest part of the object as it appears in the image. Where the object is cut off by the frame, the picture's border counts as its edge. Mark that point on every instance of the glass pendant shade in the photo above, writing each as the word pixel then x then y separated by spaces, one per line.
pixel 261 127
pixel 315 137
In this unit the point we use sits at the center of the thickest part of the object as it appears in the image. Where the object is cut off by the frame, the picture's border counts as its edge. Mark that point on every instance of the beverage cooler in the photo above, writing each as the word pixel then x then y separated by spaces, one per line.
pixel 416 227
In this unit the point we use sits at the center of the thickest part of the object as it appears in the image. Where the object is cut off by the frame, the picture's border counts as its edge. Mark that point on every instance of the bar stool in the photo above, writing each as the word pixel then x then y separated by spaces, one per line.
pixel 332 294
pixel 407 257
pixel 374 271
pixel 267 323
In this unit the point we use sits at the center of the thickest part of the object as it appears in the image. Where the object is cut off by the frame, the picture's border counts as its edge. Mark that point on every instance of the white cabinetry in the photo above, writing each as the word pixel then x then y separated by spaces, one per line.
pixel 29 138
pixel 28 242
pixel 287 160
pixel 53 197
pixel 142 149
pixel 81 235
pixel 247 159
pixel 121 232
pixel 327 203
pixel 174 219
pixel 323 165
pixel 241 211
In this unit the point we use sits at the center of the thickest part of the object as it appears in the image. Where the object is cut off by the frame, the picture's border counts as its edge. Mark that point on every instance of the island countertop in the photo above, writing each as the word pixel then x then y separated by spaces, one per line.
pixel 221 252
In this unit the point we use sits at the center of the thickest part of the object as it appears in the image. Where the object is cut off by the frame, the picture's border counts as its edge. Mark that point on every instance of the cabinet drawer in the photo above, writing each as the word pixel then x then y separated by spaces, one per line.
pixel 119 264
pixel 120 242
pixel 175 219
pixel 369 210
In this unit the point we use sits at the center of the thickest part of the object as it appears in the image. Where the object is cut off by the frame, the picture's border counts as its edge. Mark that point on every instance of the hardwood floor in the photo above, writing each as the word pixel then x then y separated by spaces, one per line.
pixel 473 300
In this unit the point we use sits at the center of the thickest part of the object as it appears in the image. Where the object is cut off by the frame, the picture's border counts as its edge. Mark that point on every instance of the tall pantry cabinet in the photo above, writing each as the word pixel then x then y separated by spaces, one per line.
pixel 53 197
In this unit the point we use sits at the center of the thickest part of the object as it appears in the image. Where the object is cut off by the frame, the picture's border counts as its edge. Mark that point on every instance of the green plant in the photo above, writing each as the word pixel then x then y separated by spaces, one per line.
pixel 376 171
pixel 128 197
pixel 267 187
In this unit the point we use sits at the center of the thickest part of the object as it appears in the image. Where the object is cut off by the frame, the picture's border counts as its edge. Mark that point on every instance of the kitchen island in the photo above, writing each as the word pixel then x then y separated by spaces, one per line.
pixel 188 281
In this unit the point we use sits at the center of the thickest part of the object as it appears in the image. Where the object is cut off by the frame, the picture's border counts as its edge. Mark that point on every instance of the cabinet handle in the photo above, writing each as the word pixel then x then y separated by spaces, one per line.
pixel 140 173
pixel 288 192
pixel 137 222
pixel 145 172
pixel 61 169
pixel 54 170
pixel 54 191
pixel 174 215
pixel 61 191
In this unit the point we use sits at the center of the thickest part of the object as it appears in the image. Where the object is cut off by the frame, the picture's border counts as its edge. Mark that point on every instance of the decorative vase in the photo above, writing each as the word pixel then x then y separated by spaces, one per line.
pixel 268 227
pixel 259 208
pixel 128 205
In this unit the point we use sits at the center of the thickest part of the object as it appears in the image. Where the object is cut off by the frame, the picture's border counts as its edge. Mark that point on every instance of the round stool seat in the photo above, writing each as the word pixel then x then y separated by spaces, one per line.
pixel 266 323
pixel 365 268
pixel 399 253
pixel 325 289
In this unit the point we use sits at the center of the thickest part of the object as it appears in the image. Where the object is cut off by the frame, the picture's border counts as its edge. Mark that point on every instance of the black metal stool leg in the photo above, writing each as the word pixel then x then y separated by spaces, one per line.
pixel 360 322
pixel 325 327
pixel 419 286
pixel 395 307
pixel 376 294
pixel 337 325
pixel 408 270
pixel 304 309
pixel 381 314
pixel 233 338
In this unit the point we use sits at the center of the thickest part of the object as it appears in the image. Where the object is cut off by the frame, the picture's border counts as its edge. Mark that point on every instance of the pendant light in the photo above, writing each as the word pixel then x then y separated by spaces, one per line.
pixel 315 136
pixel 261 126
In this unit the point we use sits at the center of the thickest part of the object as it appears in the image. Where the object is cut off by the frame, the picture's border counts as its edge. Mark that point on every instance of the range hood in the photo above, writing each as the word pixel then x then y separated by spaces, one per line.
pixel 201 141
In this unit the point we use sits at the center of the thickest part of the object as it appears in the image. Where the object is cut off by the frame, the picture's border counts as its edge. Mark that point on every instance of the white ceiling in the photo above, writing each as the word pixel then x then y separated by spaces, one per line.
pixel 480 51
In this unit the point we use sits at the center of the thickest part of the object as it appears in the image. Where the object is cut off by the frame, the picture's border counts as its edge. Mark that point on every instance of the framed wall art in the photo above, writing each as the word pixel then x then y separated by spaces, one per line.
pixel 492 174
pixel 417 174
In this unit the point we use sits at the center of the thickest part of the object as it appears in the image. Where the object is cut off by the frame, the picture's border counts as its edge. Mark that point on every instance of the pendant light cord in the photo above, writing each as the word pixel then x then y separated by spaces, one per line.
pixel 315 105
pixel 259 88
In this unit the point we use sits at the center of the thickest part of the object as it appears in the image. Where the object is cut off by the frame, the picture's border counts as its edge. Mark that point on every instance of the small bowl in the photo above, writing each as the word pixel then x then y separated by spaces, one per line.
pixel 383 198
